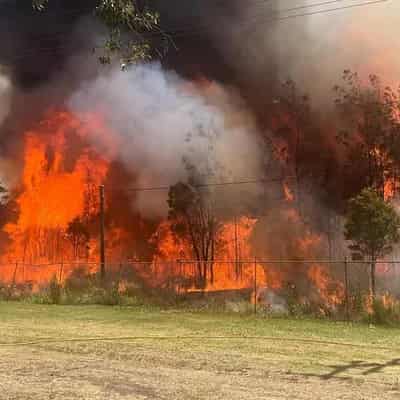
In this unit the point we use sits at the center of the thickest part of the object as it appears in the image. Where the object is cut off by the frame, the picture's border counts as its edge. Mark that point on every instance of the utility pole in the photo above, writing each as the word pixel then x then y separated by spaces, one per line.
pixel 102 239
pixel 346 288
pixel 255 286
pixel 237 270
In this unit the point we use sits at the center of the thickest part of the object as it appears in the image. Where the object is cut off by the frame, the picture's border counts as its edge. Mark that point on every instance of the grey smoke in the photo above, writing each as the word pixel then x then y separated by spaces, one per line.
pixel 5 95
pixel 7 173
pixel 159 120
pixel 313 50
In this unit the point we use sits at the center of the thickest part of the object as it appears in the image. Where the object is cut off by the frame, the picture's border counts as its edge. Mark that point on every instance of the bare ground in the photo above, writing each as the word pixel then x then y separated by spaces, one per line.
pixel 34 366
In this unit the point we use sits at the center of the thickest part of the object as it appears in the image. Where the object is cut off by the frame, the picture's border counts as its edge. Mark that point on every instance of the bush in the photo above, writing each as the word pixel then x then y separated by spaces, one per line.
pixel 384 314
pixel 54 291
pixel 79 281
pixel 109 296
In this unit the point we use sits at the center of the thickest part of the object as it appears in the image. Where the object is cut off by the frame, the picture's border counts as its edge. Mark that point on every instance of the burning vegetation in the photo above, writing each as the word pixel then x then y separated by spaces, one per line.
pixel 181 212
pixel 198 246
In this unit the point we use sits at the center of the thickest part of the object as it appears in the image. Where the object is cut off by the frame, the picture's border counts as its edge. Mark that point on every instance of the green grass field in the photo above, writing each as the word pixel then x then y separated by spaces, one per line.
pixel 93 352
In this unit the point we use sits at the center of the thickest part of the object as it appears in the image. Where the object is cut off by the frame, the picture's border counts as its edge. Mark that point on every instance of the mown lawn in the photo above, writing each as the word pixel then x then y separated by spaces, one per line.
pixel 94 352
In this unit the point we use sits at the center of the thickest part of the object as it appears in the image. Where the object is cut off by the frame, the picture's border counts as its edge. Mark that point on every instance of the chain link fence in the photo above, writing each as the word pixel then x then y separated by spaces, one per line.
pixel 339 286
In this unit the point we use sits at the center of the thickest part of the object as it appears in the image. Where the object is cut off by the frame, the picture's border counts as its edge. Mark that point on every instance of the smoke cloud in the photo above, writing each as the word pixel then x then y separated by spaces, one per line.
pixel 163 124
pixel 5 95
pixel 315 49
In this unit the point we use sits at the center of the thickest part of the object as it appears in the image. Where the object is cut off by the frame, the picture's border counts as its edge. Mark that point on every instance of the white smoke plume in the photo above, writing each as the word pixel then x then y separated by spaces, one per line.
pixel 5 95
pixel 159 120
pixel 7 173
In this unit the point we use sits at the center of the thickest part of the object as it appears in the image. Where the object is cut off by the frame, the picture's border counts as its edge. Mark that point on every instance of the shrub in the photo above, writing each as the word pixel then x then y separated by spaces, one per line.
pixel 54 291
pixel 79 281
pixel 383 314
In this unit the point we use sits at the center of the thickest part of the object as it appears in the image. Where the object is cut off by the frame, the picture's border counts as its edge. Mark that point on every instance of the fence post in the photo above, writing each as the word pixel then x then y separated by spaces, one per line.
pixel 255 285
pixel 102 238
pixel 15 275
pixel 346 288
pixel 61 272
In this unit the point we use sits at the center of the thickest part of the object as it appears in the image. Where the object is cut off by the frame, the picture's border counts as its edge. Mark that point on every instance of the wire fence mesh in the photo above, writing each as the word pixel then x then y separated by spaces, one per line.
pixel 223 273
pixel 274 284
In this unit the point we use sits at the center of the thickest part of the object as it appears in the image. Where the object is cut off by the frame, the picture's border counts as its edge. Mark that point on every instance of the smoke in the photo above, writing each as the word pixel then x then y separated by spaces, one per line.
pixel 5 95
pixel 7 172
pixel 164 125
pixel 313 50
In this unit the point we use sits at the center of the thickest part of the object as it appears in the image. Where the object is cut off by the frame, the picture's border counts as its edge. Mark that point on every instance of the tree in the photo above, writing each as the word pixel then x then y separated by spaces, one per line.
pixel 371 134
pixel 372 225
pixel 133 30
pixel 192 219
pixel 78 235
pixel 296 123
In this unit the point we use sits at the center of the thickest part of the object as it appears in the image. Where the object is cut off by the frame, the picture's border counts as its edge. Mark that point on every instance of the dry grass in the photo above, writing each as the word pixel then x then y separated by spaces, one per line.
pixel 43 366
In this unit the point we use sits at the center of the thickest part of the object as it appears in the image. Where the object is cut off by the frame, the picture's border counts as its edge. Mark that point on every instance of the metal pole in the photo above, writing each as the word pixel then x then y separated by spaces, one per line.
pixel 61 272
pixel 102 238
pixel 15 275
pixel 255 286
pixel 236 249
pixel 346 288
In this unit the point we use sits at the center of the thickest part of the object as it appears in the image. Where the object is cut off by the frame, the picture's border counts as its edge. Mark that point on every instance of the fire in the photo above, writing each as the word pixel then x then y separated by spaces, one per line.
pixel 234 267
pixel 55 190
pixel 57 204
pixel 289 196
pixel 389 189
pixel 331 292
pixel 308 242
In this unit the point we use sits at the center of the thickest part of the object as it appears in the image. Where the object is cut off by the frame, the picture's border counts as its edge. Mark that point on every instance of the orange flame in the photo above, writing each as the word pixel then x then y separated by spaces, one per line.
pixel 59 183
pixel 289 196
pixel 55 190
pixel 331 292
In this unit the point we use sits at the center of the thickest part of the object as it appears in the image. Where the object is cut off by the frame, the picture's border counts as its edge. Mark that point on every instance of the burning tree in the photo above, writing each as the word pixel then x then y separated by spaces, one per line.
pixel 372 225
pixel 372 129
pixel 298 126
pixel 193 219
pixel 78 234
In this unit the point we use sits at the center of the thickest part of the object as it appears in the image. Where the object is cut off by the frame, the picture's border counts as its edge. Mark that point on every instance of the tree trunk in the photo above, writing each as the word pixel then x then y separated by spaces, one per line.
pixel 372 279
pixel 212 260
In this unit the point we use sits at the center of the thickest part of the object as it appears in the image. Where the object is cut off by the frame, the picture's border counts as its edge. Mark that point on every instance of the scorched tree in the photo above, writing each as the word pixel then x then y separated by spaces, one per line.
pixel 193 220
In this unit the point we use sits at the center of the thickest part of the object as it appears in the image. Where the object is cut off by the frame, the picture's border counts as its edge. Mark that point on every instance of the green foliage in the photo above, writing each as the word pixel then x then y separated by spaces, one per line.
pixel 383 314
pixel 129 29
pixel 372 225
pixel 133 31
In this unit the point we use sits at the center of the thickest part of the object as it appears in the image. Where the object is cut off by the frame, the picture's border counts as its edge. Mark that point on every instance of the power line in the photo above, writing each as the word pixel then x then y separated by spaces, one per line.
pixel 252 17
pixel 216 184
pixel 283 18
pixel 205 28
pixel 277 12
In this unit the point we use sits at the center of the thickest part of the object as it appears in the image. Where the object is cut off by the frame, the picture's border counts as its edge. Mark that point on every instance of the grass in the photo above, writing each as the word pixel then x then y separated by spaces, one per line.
pixel 296 358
